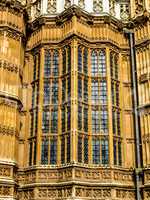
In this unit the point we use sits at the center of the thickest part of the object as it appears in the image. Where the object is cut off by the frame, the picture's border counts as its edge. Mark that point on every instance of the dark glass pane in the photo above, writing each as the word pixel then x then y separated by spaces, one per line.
pixel 85 61
pixel 53 151
pixel 55 92
pixel 94 64
pixel 63 150
pixel 79 149
pixel 96 151
pixel 103 92
pixel 85 150
pixel 86 90
pixel 104 121
pixel 79 59
pixel 105 153
pixel 114 122
pixel 46 98
pixel 45 121
pixel 102 63
pixel 30 153
pixel 64 61
pixel 119 154
pixel 68 148
pixel 95 121
pixel 115 152
pixel 47 64
pixel 69 58
pixel 55 63
pixel 44 153
pixel 86 119
pixel 63 119
pixel 68 118
pixel 69 88
pixel 79 89
pixel 79 117
pixel 63 90
pixel 95 92
pixel 34 159
pixel 54 121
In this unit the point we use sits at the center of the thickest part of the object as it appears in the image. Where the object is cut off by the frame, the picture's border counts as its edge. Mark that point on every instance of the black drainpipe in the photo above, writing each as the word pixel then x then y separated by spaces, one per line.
pixel 135 100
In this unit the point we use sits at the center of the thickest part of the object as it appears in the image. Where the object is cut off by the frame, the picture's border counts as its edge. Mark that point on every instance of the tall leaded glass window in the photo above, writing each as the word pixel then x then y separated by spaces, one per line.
pixel 55 91
pixel 94 64
pixel 96 151
pixel 54 120
pixel 105 153
pixel 85 90
pixel 63 150
pixel 53 151
pixel 79 59
pixel 79 117
pixel 68 148
pixel 45 121
pixel 85 61
pixel 103 92
pixel 47 64
pixel 85 119
pixel 46 98
pixel 95 121
pixel 44 154
pixel 102 63
pixel 55 63
pixel 63 119
pixel 86 146
pixel 79 149
pixel 104 121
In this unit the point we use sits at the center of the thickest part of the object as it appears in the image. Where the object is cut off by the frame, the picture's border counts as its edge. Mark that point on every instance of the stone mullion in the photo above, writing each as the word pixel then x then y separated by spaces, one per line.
pixel 40 108
pixel 121 106
pixel 89 109
pixel 74 104
pixel 59 111
pixel 111 155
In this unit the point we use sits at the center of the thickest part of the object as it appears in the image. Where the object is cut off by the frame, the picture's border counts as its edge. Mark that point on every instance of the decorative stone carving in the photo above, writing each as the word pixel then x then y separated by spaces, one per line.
pixel 139 6
pixel 81 3
pixel 67 3
pixel 124 11
pixel 112 7
pixel 51 6
pixel 97 6
pixel 5 171
pixel 9 66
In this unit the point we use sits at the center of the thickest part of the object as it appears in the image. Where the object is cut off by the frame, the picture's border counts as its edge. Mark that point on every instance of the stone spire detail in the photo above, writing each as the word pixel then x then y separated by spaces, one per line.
pixel 51 6
pixel 97 6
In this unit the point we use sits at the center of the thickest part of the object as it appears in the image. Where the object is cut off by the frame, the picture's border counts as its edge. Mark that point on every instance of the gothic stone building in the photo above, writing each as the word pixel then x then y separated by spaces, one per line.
pixel 75 100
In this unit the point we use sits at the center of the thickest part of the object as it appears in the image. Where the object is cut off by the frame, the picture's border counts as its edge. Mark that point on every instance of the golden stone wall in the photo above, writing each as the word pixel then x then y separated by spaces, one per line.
pixel 20 181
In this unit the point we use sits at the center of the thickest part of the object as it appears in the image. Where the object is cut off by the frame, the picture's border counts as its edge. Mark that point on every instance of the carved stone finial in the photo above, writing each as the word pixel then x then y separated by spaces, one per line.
pixel 97 6
pixel 139 6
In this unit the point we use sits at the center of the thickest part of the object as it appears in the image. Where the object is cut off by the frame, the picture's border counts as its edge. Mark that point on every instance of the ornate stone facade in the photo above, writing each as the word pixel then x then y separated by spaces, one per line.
pixel 66 112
